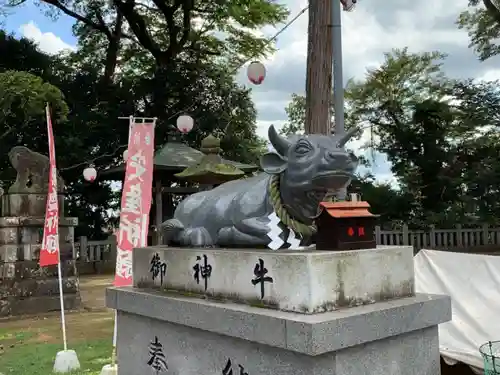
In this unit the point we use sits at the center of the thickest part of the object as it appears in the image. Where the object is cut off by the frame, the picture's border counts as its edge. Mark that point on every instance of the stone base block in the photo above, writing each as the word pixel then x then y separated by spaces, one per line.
pixel 38 305
pixel 189 336
pixel 21 238
pixel 22 270
pixel 26 288
pixel 299 281
pixel 27 204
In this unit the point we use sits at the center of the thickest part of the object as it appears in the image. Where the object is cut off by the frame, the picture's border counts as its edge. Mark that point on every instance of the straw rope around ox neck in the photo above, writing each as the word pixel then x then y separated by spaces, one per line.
pixel 282 213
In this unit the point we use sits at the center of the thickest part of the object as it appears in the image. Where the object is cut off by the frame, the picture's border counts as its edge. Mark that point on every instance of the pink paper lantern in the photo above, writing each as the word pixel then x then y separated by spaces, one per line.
pixel 256 72
pixel 185 123
pixel 89 174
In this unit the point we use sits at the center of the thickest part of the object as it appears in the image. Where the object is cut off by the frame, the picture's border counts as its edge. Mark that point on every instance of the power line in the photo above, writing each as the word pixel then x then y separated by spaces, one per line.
pixel 269 41
pixel 91 161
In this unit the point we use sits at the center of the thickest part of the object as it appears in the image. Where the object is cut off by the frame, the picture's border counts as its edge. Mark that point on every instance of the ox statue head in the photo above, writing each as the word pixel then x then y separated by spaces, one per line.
pixel 310 167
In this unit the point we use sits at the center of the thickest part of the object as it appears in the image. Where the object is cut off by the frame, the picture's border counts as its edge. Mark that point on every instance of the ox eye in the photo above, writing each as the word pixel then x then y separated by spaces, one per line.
pixel 303 148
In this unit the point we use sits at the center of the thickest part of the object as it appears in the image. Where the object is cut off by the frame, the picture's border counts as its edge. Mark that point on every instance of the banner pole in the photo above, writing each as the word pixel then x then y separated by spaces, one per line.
pixel 113 368
pixel 115 328
pixel 66 360
pixel 113 353
pixel 61 299
pixel 59 271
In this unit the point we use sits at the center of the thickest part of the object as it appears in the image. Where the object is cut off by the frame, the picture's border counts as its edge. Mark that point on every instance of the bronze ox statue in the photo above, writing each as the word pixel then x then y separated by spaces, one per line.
pixel 296 178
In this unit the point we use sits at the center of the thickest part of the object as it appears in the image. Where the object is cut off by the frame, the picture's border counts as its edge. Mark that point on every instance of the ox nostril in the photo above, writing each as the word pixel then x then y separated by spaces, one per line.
pixel 337 157
pixel 332 156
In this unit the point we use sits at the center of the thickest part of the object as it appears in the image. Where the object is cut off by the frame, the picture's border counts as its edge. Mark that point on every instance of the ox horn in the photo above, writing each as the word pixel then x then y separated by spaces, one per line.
pixel 279 143
pixel 345 137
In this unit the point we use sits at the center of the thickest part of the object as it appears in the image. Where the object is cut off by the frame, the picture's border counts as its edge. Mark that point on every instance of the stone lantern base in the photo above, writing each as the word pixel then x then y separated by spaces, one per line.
pixel 25 288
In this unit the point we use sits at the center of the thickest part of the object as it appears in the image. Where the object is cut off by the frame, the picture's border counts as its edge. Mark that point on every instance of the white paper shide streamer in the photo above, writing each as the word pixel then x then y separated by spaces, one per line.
pixel 293 240
pixel 276 230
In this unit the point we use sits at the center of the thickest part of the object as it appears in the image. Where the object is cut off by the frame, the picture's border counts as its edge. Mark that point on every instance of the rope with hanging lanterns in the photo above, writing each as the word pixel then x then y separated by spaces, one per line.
pixel 185 124
pixel 269 41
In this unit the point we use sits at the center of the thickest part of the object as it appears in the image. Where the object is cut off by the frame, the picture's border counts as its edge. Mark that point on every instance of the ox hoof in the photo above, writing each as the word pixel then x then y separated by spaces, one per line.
pixel 196 237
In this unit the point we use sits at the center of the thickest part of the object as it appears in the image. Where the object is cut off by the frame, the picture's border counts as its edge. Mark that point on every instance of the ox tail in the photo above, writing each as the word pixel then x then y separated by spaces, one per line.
pixel 170 229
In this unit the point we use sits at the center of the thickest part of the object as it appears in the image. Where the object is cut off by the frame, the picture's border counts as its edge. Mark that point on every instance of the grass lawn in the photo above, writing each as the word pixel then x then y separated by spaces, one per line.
pixel 29 346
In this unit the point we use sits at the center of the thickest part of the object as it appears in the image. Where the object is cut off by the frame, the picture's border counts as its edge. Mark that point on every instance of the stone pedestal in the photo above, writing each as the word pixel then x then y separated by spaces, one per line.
pixel 25 288
pixel 346 313
pixel 27 204
pixel 302 281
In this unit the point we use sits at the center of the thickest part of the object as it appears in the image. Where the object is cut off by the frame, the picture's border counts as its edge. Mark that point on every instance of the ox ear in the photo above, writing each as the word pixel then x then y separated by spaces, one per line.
pixel 272 163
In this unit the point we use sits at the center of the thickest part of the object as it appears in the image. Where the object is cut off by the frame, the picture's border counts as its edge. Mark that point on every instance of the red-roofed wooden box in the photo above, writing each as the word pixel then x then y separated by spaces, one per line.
pixel 345 226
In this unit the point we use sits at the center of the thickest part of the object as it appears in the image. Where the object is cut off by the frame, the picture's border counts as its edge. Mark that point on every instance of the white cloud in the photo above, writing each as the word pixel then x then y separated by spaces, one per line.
pixel 490 75
pixel 367 32
pixel 47 42
pixel 263 126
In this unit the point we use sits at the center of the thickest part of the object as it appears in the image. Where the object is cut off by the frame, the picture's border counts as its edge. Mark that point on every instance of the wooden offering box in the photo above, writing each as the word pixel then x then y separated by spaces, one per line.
pixel 345 226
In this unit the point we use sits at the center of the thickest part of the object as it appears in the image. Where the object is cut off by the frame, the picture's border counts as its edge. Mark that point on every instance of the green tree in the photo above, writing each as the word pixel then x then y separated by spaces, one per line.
pixel 175 53
pixel 296 113
pixel 420 152
pixel 480 174
pixel 93 132
pixel 24 98
pixel 84 120
pixel 202 69
pixel 408 104
pixel 424 120
pixel 22 110
pixel 428 126
pixel 393 205
pixel 482 22
pixel 165 30
pixel 196 84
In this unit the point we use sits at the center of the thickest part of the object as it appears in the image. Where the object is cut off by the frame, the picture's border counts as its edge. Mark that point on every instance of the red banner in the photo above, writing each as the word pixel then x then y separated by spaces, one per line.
pixel 136 199
pixel 49 253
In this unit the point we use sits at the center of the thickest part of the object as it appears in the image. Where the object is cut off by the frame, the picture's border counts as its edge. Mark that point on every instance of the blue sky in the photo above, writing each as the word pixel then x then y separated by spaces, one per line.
pixel 29 12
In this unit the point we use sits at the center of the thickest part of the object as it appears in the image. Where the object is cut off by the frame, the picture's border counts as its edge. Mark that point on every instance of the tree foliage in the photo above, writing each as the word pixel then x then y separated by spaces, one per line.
pixel 175 57
pixel 167 29
pixel 391 204
pixel 434 130
pixel 296 113
pixel 92 132
pixel 24 97
pixel 170 76
pixel 84 121
pixel 482 22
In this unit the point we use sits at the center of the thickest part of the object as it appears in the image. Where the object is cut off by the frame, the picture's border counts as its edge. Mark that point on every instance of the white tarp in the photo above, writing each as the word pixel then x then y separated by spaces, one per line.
pixel 473 283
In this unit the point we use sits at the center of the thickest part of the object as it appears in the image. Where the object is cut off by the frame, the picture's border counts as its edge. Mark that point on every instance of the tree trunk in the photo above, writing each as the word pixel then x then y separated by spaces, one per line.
pixel 319 68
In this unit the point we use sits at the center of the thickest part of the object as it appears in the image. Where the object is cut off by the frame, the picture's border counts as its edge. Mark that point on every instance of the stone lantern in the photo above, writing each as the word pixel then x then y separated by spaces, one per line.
pixel 211 169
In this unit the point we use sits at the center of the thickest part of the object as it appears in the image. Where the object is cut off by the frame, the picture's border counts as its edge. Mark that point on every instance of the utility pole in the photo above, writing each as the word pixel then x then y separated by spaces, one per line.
pixel 319 67
pixel 338 76
pixel 324 56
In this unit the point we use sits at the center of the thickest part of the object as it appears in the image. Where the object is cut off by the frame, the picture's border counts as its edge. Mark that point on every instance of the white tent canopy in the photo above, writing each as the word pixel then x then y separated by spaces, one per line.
pixel 473 283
